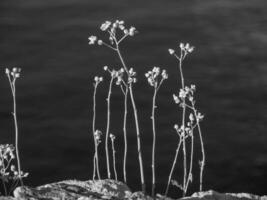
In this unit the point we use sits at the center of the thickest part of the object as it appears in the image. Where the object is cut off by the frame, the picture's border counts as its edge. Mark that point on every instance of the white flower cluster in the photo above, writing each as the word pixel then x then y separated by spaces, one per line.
pixel 183 131
pixel 15 72
pixel 132 76
pixel 98 79
pixel 115 74
pixel 112 29
pixel 112 137
pixel 185 49
pixel 97 135
pixel 153 76
pixel 8 171
pixel 187 92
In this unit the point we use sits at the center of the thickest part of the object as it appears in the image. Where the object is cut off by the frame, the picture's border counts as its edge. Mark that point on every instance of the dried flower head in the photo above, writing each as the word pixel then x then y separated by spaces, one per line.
pixel 112 137
pixel 92 39
pixel 153 76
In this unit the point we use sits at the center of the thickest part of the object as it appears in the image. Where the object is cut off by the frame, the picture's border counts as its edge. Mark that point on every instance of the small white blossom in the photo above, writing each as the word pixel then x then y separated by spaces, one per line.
pixel 199 116
pixel 105 68
pixel 171 51
pixel 7 71
pixel 112 137
pixel 132 31
pixel 191 117
pixel 176 99
pixel 182 93
pixel 92 39
pixel 164 74
pixel 105 25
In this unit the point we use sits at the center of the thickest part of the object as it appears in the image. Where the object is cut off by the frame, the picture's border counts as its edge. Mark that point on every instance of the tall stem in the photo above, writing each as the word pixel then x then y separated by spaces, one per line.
pixel 183 124
pixel 202 163
pixel 114 159
pixel 16 130
pixel 96 161
pixel 189 178
pixel 154 141
pixel 136 123
pixel 125 133
pixel 173 165
pixel 108 124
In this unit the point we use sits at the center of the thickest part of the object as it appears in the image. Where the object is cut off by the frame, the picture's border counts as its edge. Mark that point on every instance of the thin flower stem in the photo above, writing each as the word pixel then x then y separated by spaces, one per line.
pixel 202 163
pixel 114 159
pixel 190 176
pixel 173 166
pixel 94 169
pixel 96 161
pixel 154 141
pixel 108 125
pixel 14 113
pixel 109 46
pixel 136 123
pixel 183 124
pixel 125 133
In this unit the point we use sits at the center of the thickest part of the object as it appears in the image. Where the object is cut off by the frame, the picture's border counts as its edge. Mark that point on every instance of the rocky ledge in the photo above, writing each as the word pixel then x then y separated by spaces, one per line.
pixel 108 189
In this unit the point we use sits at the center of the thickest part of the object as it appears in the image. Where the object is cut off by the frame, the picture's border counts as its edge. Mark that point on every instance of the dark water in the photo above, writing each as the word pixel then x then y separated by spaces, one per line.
pixel 48 39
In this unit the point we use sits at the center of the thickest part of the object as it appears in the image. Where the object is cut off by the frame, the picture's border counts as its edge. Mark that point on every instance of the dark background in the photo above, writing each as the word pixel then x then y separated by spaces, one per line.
pixel 48 39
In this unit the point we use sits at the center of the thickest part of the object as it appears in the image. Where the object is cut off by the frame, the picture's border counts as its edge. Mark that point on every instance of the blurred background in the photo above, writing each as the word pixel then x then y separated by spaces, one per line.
pixel 48 40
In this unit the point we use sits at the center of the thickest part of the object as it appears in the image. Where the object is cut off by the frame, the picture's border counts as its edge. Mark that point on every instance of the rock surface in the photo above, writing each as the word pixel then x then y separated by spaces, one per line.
pixel 212 195
pixel 108 189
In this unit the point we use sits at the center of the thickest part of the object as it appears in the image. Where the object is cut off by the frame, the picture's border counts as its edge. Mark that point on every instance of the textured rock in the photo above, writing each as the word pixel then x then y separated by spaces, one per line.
pixel 109 189
pixel 73 189
pixel 212 195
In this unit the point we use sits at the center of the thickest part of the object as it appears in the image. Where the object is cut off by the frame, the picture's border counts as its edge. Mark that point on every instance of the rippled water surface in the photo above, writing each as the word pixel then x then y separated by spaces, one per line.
pixel 48 39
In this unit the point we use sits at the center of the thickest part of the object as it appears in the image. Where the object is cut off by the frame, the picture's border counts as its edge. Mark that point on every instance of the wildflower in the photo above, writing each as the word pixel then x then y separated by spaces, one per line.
pixel 191 117
pixel 176 99
pixel 13 168
pixel 182 93
pixel 98 79
pixel 92 39
pixel 105 25
pixel 97 135
pixel 105 68
pixel 199 116
pixel 186 47
pixel 125 31
pixel 171 51
pixel 164 74
pixel 7 71
pixel 132 72
pixel 112 137
pixel 132 31
pixel 193 87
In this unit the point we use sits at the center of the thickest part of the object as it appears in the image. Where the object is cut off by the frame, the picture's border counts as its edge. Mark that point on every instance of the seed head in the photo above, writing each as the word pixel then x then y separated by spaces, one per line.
pixel 105 25
pixel 92 39
pixel 171 51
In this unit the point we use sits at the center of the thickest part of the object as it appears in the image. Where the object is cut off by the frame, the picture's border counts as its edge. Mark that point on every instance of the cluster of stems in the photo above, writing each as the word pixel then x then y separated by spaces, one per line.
pixel 187 128
pixel 115 41
pixel 117 33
